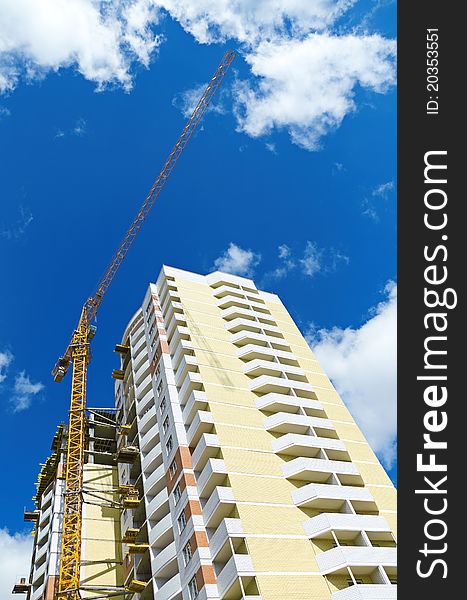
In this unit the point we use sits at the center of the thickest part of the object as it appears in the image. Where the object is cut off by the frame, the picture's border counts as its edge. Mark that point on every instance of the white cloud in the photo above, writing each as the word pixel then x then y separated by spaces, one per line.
pixel 80 127
pixel 382 191
pixel 372 205
pixel 18 229
pixel 15 551
pixel 6 358
pixel 305 73
pixel 237 261
pixel 311 261
pixel 249 22
pixel 362 365
pixel 316 260
pixel 186 101
pixel 24 392
pixel 97 37
pixel 307 86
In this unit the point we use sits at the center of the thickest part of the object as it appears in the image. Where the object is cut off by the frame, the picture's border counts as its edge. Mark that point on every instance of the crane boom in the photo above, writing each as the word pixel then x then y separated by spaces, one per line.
pixel 78 354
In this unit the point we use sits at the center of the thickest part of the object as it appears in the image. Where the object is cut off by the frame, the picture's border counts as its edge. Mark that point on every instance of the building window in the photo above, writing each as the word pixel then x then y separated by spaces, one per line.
pixel 159 388
pixel 169 445
pixel 187 554
pixel 181 522
pixel 173 468
pixel 162 405
pixel 151 329
pixel 165 424
pixel 193 589
pixel 177 493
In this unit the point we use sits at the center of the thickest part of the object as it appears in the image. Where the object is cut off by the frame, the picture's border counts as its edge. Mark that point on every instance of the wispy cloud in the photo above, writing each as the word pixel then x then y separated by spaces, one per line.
pixel 17 229
pixel 187 100
pixel 321 260
pixel 6 358
pixel 15 550
pixel 271 147
pixel 362 365
pixel 338 167
pixel 237 261
pixel 4 112
pixel 24 390
pixel 373 204
pixel 80 127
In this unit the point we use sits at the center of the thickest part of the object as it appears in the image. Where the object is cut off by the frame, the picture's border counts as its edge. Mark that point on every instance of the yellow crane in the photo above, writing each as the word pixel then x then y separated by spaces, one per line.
pixel 78 355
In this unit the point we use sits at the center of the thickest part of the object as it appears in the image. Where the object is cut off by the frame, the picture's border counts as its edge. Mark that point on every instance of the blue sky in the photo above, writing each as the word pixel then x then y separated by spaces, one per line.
pixel 290 180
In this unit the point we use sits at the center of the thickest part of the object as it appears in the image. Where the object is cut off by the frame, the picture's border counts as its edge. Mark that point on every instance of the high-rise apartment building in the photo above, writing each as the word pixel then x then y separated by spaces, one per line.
pixel 255 481
pixel 230 469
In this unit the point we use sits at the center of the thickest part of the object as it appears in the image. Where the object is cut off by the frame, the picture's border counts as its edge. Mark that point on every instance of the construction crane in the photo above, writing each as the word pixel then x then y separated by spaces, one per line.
pixel 78 355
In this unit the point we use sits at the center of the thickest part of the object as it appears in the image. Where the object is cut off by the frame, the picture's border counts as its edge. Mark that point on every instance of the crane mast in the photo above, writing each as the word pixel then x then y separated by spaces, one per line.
pixel 78 355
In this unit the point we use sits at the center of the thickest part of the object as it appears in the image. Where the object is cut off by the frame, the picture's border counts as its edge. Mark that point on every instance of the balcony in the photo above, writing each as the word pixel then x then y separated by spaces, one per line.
pixel 367 592
pixel 318 470
pixel 225 290
pixel 208 447
pixel 322 525
pixel 158 506
pixel 266 384
pixel 365 558
pixel 242 338
pixel 295 444
pixel 150 438
pixel 283 422
pixel 143 388
pixel 155 481
pixel 147 420
pixel 240 565
pixel 239 312
pixel 187 364
pixel 228 528
pixel 202 423
pixel 196 401
pixel 218 506
pixel 171 590
pixel 162 533
pixel 290 404
pixel 253 351
pixel 142 372
pixel 165 565
pixel 184 347
pixel 145 402
pixel 329 497
pixel 152 459
pixel 213 474
pixel 192 382
pixel 258 367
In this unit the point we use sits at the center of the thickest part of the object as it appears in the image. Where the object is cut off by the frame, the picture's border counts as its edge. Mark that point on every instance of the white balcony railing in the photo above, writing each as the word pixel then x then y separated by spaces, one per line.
pixel 207 447
pixel 319 469
pixel 238 565
pixel 218 506
pixel 284 422
pixel 228 528
pixel 266 383
pixel 367 592
pixel 316 495
pixel 295 444
pixel 324 523
pixel 355 556
pixel 274 402
pixel 211 476
pixel 171 589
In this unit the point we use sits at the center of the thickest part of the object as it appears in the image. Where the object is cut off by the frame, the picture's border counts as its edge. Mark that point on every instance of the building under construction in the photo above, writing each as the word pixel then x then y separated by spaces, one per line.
pixel 229 467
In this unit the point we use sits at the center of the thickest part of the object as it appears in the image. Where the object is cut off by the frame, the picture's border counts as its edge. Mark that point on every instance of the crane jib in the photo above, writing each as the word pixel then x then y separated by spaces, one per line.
pixel 78 354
